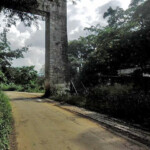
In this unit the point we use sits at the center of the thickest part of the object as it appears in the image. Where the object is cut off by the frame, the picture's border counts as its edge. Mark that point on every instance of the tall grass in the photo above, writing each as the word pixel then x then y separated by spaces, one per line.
pixel 5 121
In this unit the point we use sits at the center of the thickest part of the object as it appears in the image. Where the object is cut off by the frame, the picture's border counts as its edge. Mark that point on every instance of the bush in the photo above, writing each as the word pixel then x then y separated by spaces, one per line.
pixel 122 102
pixel 36 89
pixel 21 88
pixel 77 101
pixel 5 121
pixel 11 87
pixel 71 99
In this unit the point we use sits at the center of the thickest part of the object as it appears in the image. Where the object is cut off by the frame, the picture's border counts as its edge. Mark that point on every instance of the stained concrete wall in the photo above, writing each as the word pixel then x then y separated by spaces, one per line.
pixel 56 68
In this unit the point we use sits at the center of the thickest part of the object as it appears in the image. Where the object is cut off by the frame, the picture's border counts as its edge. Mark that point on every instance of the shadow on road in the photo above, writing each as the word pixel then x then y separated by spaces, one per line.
pixel 26 99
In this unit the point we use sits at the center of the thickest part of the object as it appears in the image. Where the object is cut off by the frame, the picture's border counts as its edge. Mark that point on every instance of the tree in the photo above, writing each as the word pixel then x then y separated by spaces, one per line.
pixel 3 79
pixel 22 75
pixel 18 9
pixel 78 52
pixel 123 43
pixel 7 54
pixel 142 14
pixel 135 3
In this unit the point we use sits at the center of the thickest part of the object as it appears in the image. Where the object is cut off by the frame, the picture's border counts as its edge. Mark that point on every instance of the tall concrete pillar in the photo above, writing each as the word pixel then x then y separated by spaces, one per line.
pixel 56 70
pixel 47 54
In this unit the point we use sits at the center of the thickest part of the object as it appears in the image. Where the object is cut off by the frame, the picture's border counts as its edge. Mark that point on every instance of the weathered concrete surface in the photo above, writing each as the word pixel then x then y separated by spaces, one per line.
pixel 56 69
pixel 44 126
pixel 56 60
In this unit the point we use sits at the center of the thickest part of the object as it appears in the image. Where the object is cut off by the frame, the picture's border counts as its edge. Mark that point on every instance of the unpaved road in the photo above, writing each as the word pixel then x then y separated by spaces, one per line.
pixel 44 126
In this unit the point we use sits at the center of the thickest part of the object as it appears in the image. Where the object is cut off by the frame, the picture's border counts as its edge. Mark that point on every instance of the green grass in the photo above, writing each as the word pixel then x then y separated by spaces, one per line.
pixel 5 121
pixel 10 87
pixel 20 88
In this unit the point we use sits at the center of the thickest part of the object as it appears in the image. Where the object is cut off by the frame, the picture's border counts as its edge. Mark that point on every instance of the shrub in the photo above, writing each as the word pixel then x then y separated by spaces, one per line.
pixel 36 89
pixel 77 100
pixel 5 121
pixel 70 99
pixel 11 87
pixel 119 101
pixel 122 102
pixel 61 97
pixel 33 87
pixel 21 88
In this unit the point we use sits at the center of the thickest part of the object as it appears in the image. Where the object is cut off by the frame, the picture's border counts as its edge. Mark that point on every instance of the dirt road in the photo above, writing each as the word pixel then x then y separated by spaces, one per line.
pixel 44 126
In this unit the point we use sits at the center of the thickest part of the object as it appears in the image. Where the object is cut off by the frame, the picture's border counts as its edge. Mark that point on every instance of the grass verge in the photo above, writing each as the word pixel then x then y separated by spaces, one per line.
pixel 20 88
pixel 5 121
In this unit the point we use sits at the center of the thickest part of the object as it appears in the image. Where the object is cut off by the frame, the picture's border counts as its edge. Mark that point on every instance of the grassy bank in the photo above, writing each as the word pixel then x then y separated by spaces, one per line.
pixel 22 88
pixel 119 101
pixel 5 121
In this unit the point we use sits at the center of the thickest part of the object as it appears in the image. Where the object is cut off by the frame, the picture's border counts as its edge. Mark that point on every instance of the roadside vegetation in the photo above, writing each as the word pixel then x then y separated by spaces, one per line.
pixel 119 101
pixel 17 78
pixel 5 121
pixel 11 78
pixel 110 68
pixel 23 79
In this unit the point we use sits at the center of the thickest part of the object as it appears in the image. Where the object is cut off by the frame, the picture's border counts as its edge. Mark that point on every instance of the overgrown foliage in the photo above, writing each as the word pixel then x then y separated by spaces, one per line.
pixel 79 101
pixel 15 78
pixel 121 101
pixel 22 79
pixel 7 54
pixel 5 121
pixel 121 45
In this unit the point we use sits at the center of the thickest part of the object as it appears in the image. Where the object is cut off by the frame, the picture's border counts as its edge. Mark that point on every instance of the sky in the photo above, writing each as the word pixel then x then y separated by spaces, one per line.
pixel 83 14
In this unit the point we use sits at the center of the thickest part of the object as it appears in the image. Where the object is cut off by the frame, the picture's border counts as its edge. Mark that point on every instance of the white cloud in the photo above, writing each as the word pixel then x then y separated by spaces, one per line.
pixel 17 38
pixel 89 12
pixel 125 3
pixel 34 57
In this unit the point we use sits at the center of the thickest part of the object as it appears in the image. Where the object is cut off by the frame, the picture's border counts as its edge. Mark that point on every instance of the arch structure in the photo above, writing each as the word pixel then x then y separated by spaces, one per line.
pixel 56 60
pixel 56 63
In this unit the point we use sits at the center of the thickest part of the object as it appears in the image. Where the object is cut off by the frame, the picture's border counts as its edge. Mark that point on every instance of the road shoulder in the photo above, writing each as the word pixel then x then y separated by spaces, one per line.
pixel 114 125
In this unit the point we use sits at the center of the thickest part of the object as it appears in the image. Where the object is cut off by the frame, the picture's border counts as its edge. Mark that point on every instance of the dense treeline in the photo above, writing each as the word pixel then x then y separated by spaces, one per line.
pixel 124 43
pixel 110 68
